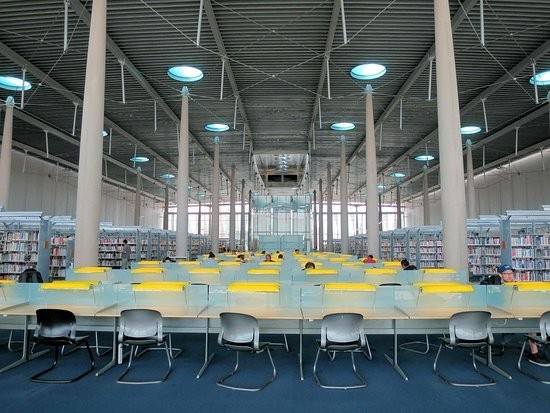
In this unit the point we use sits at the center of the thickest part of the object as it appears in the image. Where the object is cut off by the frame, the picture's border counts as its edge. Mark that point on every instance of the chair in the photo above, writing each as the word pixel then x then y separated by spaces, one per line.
pixel 544 339
pixel 142 328
pixel 240 332
pixel 342 332
pixel 57 328
pixel 471 330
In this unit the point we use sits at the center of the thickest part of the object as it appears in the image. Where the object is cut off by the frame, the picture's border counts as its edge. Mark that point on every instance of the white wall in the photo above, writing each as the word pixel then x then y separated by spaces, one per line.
pixel 37 185
pixel 523 184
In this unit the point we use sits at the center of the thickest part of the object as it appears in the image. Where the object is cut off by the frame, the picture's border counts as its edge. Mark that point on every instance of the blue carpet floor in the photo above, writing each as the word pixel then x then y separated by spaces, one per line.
pixel 386 391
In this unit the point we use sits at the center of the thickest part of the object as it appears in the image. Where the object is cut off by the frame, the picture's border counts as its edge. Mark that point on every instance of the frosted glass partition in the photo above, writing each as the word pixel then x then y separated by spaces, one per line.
pixel 228 296
pixel 162 294
pixel 78 293
pixel 356 296
pixel 12 293
pixel 530 294
pixel 441 295
pixel 409 277
pixel 434 275
pixel 98 274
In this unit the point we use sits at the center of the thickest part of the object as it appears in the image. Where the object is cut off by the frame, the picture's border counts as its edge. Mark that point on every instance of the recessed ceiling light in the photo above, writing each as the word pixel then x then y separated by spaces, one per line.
pixel 13 83
pixel 185 73
pixel 139 159
pixel 543 78
pixel 216 127
pixel 168 176
pixel 342 126
pixel 469 130
pixel 368 71
pixel 380 186
pixel 397 175
pixel 424 158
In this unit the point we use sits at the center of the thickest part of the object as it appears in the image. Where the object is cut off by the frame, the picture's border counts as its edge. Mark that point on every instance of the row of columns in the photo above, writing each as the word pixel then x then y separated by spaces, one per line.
pixel 453 202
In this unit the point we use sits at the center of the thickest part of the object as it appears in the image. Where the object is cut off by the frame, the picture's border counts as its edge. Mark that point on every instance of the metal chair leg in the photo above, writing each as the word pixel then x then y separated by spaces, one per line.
pixel 533 376
pixel 490 380
pixel 362 381
pixel 221 382
pixel 37 377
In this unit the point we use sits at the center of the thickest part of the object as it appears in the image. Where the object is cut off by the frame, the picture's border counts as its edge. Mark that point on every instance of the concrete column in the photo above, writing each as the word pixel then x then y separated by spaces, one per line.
pixel 232 209
pixel 398 204
pixel 250 220
pixel 471 195
pixel 243 227
pixel 373 211
pixel 380 216
pixel 344 230
pixel 330 234
pixel 166 207
pixel 315 223
pixel 88 197
pixel 182 219
pixel 321 219
pixel 137 203
pixel 453 197
pixel 426 197
pixel 5 154
pixel 215 226
pixel 199 219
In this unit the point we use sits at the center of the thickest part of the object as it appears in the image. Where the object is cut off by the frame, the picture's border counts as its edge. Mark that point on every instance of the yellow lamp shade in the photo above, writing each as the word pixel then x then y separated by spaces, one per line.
pixel 257 287
pixel 349 287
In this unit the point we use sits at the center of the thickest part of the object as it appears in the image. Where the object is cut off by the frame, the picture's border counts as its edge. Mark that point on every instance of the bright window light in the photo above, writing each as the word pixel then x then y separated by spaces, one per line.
pixel 185 73
pixel 13 83
pixel 469 130
pixel 342 126
pixel 216 127
pixel 397 175
pixel 168 176
pixel 424 158
pixel 543 78
pixel 138 159
pixel 368 71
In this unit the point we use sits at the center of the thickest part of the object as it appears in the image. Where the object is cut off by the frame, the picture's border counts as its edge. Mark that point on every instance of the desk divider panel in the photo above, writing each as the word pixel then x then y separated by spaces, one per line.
pixel 12 293
pixel 442 295
pixel 79 293
pixel 444 275
pixel 89 273
pixel 519 294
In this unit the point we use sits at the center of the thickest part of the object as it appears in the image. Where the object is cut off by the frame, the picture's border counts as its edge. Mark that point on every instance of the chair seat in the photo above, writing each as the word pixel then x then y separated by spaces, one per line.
pixel 465 343
pixel 59 341
pixel 151 341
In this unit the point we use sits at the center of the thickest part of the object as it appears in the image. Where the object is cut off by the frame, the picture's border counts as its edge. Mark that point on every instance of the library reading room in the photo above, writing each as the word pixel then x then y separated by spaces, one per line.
pixel 292 205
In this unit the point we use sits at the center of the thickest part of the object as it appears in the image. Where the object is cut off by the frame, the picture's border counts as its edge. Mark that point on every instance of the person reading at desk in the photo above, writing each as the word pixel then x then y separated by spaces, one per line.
pixel 268 258
pixel 309 265
pixel 506 274
pixel 407 266
pixel 369 260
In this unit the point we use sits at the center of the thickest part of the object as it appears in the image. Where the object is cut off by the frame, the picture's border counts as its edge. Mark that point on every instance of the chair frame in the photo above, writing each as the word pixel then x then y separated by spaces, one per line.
pixel 331 348
pixel 544 327
pixel 472 344
pixel 49 335
pixel 153 341
pixel 252 346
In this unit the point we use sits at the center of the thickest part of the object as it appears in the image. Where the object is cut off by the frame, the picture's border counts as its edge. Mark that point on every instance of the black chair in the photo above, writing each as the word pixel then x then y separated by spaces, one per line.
pixel 240 332
pixel 470 330
pixel 342 332
pixel 142 328
pixel 543 340
pixel 57 328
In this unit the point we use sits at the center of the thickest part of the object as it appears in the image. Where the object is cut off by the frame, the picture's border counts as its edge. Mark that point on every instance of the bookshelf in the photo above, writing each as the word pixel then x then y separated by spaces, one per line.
pixel 484 254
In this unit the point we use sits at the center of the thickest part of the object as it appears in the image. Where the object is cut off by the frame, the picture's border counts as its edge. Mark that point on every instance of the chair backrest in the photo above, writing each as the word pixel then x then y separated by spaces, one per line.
pixel 140 323
pixel 470 325
pixel 544 324
pixel 240 329
pixel 52 323
pixel 342 328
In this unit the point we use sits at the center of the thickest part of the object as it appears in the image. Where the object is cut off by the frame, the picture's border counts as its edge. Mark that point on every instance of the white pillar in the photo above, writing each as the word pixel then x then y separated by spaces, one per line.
pixel 182 217
pixel 166 208
pixel 321 218
pixel 199 219
pixel 330 240
pixel 88 197
pixel 5 154
pixel 315 223
pixel 243 226
pixel 426 197
pixel 250 246
pixel 137 203
pixel 373 229
pixel 471 195
pixel 232 210
pixel 398 204
pixel 453 197
pixel 215 226
pixel 344 230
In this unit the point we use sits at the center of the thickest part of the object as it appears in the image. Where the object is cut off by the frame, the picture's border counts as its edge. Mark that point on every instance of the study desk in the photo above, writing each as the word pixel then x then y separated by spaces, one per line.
pixel 369 313
pixel 167 312
pixel 261 313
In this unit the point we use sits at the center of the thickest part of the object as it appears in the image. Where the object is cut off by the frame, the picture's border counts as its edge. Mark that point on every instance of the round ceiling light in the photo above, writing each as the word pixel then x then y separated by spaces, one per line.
pixel 543 78
pixel 368 71
pixel 13 83
pixel 469 130
pixel 342 126
pixel 139 159
pixel 185 74
pixel 167 176
pixel 216 127
pixel 424 158
pixel 397 175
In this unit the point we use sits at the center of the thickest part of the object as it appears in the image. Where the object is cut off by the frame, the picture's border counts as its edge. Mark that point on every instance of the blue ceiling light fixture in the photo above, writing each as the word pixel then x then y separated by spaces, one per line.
pixel 342 126
pixel 168 176
pixel 104 133
pixel 380 186
pixel 13 83
pixel 139 159
pixel 397 175
pixel 469 130
pixel 368 71
pixel 186 74
pixel 543 78
pixel 424 158
pixel 216 127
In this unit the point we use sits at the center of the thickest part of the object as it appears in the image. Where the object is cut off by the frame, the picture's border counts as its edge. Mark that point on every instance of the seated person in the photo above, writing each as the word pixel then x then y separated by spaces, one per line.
pixel 240 258
pixel 268 258
pixel 211 255
pixel 280 256
pixel 309 265
pixel 167 259
pixel 369 260
pixel 407 266
pixel 30 275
